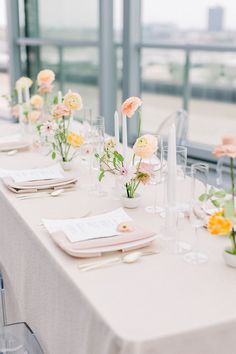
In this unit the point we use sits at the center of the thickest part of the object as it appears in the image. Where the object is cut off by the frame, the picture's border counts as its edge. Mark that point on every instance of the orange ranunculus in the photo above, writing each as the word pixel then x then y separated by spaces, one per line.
pixel 23 82
pixel 36 101
pixel 229 140
pixel 218 224
pixel 45 77
pixel 145 146
pixel 225 150
pixel 75 140
pixel 130 106
pixel 73 101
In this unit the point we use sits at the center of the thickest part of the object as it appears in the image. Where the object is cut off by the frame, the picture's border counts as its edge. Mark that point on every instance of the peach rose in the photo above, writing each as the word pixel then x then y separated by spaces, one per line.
pixel 34 116
pixel 36 101
pixel 60 110
pixel 229 140
pixel 127 226
pixel 73 101
pixel 45 77
pixel 45 88
pixel 145 146
pixel 130 106
pixel 75 140
pixel 225 150
pixel 23 82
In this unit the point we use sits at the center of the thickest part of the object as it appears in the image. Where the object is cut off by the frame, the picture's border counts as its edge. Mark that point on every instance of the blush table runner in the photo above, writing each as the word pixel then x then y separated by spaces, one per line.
pixel 158 305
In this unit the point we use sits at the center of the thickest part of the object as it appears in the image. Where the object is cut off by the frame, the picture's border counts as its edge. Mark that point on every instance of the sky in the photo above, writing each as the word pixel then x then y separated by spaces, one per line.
pixel 184 13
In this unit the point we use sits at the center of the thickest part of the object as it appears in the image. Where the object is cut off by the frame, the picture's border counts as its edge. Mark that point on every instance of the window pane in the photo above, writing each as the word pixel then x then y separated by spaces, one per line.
pixel 74 19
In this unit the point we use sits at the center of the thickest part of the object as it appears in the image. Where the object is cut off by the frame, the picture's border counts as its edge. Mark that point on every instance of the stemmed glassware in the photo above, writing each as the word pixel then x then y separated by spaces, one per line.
pixel 197 216
pixel 155 164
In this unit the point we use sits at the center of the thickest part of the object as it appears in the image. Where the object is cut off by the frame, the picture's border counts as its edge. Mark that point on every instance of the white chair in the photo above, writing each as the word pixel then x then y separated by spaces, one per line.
pixel 16 338
pixel 180 119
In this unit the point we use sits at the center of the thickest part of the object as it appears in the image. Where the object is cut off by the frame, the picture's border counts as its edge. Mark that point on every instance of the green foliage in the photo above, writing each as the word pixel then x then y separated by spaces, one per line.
pixel 54 155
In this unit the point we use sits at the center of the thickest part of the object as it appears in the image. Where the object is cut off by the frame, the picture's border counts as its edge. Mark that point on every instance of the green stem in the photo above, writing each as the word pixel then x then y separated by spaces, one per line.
pixel 139 122
pixel 232 178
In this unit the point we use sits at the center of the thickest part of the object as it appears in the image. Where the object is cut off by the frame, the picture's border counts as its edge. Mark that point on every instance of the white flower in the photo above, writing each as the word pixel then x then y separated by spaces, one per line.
pixel 48 128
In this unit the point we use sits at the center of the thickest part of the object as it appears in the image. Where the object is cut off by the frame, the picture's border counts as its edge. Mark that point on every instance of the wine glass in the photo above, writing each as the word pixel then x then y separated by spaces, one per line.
pixel 154 164
pixel 197 213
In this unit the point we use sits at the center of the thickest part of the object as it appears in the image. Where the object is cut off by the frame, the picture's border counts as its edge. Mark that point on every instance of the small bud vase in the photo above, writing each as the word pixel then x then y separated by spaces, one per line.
pixel 229 258
pixel 66 165
pixel 130 203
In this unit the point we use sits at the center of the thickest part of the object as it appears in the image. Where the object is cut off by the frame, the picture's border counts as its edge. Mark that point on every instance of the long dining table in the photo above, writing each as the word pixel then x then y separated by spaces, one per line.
pixel 157 305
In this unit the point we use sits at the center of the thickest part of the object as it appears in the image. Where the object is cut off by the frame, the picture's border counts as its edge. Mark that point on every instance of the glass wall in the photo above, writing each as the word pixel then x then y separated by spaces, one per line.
pixel 4 60
pixel 208 34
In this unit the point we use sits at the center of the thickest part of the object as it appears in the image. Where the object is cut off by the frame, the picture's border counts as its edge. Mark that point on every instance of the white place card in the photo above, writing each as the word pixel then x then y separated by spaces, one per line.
pixel 99 226
pixel 35 174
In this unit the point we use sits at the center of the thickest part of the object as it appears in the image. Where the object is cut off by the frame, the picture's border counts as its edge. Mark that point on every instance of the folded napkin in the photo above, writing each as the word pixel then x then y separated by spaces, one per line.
pixel 96 247
pixel 35 186
pixel 14 145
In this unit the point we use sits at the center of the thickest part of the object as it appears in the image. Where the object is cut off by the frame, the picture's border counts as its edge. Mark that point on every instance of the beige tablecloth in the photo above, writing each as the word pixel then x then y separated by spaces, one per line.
pixel 159 305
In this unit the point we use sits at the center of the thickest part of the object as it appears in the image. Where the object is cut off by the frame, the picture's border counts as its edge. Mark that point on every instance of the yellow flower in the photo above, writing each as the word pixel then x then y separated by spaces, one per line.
pixel 34 116
pixel 218 224
pixel 75 140
pixel 36 101
pixel 73 100
pixel 45 77
pixel 23 82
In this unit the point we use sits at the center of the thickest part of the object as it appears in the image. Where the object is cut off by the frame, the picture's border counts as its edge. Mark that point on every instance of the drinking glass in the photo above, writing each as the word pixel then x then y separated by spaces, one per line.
pixel 181 162
pixel 98 140
pixel 154 164
pixel 197 215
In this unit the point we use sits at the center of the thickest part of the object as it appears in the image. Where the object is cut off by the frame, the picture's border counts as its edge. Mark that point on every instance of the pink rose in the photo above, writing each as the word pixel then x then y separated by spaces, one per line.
pixel 225 150
pixel 145 146
pixel 130 106
pixel 60 110
pixel 45 88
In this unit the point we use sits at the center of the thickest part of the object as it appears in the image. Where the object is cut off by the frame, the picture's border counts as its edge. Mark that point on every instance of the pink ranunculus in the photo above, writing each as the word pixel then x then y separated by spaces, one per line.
pixel 225 150
pixel 146 168
pixel 60 110
pixel 130 106
pixel 145 146
pixel 229 140
pixel 45 88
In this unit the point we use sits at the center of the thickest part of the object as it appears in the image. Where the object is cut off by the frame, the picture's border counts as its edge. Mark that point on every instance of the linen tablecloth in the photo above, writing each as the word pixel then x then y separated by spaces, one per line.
pixel 159 305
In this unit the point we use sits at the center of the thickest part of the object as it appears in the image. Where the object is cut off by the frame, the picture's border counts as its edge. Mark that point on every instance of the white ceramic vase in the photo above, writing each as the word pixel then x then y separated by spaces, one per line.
pixel 130 203
pixel 230 259
pixel 66 165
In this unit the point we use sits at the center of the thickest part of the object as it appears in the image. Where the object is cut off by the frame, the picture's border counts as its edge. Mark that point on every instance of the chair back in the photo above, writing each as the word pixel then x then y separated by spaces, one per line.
pixel 180 119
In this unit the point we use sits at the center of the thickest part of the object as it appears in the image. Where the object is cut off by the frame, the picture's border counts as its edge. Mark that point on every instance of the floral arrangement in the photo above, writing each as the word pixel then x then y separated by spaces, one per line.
pixel 223 221
pixel 57 131
pixel 34 107
pixel 111 160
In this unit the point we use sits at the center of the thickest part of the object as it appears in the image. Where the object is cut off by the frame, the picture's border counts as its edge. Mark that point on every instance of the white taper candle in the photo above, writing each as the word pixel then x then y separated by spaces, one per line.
pixel 59 97
pixel 124 136
pixel 117 128
pixel 172 172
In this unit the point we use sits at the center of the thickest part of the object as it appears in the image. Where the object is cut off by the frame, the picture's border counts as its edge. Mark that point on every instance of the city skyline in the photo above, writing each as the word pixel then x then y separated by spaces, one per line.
pixel 194 16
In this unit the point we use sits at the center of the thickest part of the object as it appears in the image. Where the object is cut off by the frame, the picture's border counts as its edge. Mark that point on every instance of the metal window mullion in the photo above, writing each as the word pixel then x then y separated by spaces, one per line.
pixel 131 57
pixel 107 65
pixel 13 34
